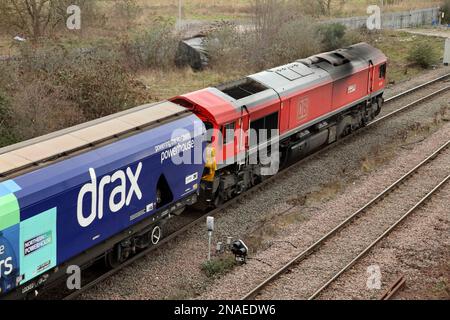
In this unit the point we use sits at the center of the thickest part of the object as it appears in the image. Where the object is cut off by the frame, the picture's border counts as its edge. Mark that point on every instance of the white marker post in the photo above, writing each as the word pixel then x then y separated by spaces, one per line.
pixel 447 52
pixel 210 226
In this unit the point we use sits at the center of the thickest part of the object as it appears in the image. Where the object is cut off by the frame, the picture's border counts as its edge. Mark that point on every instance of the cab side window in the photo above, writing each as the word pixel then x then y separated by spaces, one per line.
pixel 228 133
pixel 383 71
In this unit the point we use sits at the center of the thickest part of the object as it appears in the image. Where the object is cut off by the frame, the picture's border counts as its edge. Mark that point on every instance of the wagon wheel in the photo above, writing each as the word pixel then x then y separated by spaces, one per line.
pixel 218 200
pixel 156 235
pixel 113 260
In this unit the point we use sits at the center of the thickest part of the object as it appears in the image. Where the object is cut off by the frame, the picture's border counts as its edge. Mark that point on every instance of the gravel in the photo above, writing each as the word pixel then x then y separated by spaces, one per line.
pixel 174 272
pixel 419 250
pixel 327 215
pixel 399 87
pixel 308 276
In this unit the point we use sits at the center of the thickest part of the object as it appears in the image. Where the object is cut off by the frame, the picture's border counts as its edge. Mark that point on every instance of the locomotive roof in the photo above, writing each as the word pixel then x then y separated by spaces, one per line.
pixel 47 148
pixel 319 69
pixel 225 102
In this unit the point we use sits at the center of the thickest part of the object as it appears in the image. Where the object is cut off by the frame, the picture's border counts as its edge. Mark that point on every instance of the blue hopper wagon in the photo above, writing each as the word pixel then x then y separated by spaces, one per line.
pixel 97 190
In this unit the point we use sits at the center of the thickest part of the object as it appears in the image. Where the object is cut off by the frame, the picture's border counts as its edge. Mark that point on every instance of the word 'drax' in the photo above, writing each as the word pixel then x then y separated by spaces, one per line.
pixel 118 198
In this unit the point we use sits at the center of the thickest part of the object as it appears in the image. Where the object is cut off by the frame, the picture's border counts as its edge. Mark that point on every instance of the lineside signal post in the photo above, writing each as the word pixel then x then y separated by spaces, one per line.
pixel 210 226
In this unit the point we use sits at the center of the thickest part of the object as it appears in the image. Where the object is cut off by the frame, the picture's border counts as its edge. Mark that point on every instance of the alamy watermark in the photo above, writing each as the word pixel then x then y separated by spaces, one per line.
pixel 253 147
pixel 73 21
pixel 74 277
pixel 374 277
pixel 374 20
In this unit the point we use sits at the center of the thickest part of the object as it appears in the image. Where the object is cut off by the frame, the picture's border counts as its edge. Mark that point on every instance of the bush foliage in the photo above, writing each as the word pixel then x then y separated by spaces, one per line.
pixel 262 48
pixel 6 136
pixel 422 55
pixel 219 266
pixel 155 48
pixel 55 88
pixel 446 9
pixel 332 35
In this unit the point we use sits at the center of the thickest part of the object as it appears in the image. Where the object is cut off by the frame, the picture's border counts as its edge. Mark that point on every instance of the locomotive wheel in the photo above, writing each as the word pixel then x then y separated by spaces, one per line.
pixel 347 131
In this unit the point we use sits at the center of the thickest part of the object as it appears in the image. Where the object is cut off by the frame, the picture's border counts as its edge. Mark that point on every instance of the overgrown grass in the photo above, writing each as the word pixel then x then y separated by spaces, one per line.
pixel 53 85
pixel 397 46
pixel 218 266
pixel 116 20
pixel 52 89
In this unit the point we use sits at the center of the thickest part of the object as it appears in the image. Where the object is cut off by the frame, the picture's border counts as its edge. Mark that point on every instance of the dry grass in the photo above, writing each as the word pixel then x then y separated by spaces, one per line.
pixel 167 84
pixel 376 158
pixel 410 136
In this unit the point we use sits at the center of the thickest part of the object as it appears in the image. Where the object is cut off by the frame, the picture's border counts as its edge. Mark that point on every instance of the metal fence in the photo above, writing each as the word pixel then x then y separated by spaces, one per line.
pixel 399 20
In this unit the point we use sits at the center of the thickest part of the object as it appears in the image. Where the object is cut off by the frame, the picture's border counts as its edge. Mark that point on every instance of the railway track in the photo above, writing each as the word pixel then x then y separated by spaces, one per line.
pixel 199 218
pixel 336 245
pixel 394 288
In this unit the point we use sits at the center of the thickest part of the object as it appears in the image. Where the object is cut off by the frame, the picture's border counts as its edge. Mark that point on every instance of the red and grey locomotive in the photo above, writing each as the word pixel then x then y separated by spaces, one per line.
pixel 310 103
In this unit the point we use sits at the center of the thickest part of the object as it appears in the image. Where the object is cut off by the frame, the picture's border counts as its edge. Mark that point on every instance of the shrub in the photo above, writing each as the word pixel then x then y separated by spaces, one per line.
pixel 41 108
pixel 8 76
pixel 48 60
pixel 6 135
pixel 94 80
pixel 60 88
pixel 296 40
pixel 99 87
pixel 156 48
pixel 332 35
pixel 446 9
pixel 217 267
pixel 225 46
pixel 423 55
pixel 355 36
pixel 256 50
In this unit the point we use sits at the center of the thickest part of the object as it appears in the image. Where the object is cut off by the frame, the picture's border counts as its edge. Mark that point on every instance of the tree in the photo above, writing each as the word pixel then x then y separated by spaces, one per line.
pixel 332 35
pixel 324 6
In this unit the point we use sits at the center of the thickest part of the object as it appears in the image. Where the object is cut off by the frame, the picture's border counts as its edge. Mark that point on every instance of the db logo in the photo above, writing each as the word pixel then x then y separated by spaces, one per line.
pixel 303 109
pixel 351 89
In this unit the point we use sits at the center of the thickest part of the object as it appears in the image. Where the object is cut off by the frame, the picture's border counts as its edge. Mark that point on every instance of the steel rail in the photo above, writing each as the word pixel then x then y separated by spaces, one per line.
pixel 423 85
pixel 235 200
pixel 301 256
pixel 394 288
pixel 381 237
pixel 412 104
